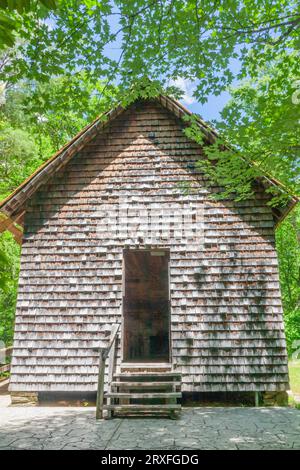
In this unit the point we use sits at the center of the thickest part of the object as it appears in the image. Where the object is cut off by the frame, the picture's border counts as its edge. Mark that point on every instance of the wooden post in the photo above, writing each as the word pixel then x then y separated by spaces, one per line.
pixel 256 398
pixel 100 390
pixel 104 352
pixel 173 414
pixel 111 363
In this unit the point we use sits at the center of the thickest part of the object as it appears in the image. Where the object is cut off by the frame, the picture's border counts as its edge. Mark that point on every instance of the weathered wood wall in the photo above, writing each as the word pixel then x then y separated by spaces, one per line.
pixel 227 330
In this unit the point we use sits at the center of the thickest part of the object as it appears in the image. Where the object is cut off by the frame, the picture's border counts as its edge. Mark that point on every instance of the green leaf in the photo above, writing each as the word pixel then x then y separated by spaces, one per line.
pixel 50 4
pixel 7 21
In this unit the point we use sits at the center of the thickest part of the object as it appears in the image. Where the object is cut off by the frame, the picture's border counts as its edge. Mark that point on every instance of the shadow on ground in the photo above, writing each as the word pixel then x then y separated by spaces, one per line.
pixel 198 428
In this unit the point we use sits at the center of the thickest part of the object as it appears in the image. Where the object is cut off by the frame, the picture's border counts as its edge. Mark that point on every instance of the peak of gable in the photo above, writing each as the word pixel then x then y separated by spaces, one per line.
pixel 13 207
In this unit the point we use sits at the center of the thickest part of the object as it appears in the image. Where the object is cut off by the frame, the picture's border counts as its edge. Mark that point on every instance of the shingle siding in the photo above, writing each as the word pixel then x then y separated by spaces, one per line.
pixel 226 315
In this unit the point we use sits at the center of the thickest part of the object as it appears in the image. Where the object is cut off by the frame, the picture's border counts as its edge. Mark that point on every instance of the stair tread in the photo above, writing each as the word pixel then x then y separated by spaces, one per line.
pixel 143 395
pixel 146 384
pixel 147 374
pixel 142 407
pixel 146 365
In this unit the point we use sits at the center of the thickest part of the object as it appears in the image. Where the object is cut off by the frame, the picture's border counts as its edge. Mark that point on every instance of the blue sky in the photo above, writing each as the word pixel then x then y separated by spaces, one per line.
pixel 212 108
pixel 208 111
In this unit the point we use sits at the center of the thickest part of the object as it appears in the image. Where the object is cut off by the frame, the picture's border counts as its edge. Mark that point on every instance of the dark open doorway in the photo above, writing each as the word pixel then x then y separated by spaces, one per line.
pixel 146 306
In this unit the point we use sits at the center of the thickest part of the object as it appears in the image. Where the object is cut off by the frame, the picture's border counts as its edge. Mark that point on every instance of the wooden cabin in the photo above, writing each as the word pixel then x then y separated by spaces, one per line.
pixel 198 302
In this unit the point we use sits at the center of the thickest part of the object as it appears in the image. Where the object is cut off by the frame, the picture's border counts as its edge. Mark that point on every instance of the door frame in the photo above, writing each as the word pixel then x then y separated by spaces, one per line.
pixel 154 364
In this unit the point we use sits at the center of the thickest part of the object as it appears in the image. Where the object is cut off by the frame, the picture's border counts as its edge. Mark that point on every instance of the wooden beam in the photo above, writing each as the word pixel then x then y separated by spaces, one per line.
pixel 6 223
pixel 17 233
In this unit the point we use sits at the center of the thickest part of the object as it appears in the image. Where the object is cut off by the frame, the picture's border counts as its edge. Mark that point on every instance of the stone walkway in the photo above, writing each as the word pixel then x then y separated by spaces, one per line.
pixel 198 428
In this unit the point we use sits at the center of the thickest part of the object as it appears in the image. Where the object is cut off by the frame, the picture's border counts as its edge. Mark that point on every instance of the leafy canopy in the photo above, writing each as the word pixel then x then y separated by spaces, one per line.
pixel 213 43
pixel 11 12
pixel 197 39
pixel 62 62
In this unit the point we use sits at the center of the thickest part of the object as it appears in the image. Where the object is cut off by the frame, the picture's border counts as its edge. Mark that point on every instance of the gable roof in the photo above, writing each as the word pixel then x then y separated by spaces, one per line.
pixel 13 207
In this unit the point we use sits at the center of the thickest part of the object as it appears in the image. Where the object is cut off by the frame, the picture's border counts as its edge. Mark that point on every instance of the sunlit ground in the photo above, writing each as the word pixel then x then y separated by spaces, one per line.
pixel 294 370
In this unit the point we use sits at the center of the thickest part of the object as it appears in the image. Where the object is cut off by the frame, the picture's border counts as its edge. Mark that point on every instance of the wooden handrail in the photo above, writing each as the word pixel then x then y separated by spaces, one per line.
pixel 114 333
pixel 6 350
pixel 104 353
pixel 5 368
pixel 6 354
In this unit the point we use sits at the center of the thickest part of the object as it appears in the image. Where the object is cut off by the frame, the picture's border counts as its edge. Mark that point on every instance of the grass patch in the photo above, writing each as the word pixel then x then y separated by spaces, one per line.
pixel 294 371
pixel 4 376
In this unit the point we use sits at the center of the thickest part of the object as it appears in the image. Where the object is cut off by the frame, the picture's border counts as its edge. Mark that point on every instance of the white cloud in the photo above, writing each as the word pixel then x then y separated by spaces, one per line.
pixel 187 87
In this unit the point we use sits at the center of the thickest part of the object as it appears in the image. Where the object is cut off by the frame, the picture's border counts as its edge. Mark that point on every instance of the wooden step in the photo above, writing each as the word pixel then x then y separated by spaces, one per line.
pixel 131 375
pixel 145 384
pixel 143 395
pixel 173 414
pixel 146 365
pixel 148 408
pixel 128 368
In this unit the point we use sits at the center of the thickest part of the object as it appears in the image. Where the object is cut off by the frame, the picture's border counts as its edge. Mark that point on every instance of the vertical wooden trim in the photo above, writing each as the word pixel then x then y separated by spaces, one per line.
pixel 100 389
pixel 122 309
pixel 169 314
pixel 111 363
